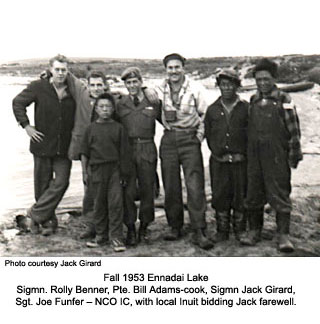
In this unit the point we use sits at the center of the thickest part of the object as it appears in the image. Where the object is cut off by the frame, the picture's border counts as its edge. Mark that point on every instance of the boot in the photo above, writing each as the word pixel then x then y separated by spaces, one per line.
pixel 201 240
pixel 131 239
pixel 172 234
pixel 283 226
pixel 239 222
pixel 223 226
pixel 89 233
pixel 255 218
pixel 143 236
pixel 34 227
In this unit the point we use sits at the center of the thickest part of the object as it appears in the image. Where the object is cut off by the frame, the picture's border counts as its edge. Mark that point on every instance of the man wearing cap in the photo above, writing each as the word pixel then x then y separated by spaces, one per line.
pixel 226 124
pixel 183 111
pixel 138 115
pixel 50 138
pixel 273 148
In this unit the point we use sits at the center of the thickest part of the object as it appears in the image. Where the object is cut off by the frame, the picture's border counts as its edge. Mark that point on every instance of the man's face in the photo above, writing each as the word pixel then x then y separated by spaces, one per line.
pixel 175 70
pixel 265 81
pixel 96 87
pixel 104 108
pixel 133 86
pixel 59 71
pixel 228 88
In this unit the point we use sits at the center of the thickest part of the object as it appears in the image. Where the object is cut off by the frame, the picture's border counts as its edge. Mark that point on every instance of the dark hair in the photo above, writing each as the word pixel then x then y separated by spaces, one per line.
pixel 107 96
pixel 59 58
pixel 266 65
pixel 97 74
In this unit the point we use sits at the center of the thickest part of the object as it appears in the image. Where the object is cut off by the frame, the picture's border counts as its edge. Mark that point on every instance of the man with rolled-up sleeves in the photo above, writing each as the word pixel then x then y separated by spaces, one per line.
pixel 183 111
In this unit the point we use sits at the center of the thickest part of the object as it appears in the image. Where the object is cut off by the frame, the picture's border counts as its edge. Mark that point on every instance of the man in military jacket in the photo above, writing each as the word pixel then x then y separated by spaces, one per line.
pixel 138 115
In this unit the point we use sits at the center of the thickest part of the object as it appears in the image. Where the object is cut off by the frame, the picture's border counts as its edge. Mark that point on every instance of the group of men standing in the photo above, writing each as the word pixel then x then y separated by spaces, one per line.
pixel 253 146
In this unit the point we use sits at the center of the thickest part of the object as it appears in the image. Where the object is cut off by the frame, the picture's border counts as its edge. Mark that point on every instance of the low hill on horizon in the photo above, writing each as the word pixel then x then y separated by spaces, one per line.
pixel 292 68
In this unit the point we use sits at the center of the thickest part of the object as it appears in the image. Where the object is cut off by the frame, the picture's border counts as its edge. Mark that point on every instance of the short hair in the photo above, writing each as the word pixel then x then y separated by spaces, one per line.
pixel 97 74
pixel 59 58
pixel 107 96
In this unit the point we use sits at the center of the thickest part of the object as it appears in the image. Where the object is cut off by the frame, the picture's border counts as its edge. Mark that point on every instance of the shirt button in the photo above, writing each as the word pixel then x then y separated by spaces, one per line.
pixel 227 134
pixel 222 114
pixel 227 146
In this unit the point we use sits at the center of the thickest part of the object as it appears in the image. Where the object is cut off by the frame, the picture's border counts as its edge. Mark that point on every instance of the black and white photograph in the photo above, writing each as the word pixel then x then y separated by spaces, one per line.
pixel 145 131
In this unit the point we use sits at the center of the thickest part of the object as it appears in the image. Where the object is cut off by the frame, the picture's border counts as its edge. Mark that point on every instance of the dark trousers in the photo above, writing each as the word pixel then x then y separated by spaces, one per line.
pixel 88 205
pixel 228 185
pixel 269 177
pixel 143 172
pixel 51 180
pixel 108 203
pixel 180 148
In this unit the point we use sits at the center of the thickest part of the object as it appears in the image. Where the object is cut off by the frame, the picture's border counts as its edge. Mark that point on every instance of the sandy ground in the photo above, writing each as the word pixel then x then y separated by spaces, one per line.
pixel 305 225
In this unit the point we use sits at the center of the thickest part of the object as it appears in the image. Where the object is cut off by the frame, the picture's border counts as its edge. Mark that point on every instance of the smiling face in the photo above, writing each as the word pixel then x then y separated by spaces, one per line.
pixel 265 81
pixel 96 87
pixel 175 71
pixel 133 86
pixel 59 71
pixel 104 109
pixel 228 89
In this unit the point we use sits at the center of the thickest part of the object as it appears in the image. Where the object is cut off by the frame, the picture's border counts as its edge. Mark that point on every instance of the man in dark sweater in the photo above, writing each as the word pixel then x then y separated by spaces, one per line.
pixel 105 160
pixel 226 132
pixel 138 115
pixel 50 139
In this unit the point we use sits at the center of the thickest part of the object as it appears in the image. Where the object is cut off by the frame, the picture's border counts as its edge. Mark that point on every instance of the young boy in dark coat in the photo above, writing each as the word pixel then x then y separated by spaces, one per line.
pixel 226 132
pixel 106 161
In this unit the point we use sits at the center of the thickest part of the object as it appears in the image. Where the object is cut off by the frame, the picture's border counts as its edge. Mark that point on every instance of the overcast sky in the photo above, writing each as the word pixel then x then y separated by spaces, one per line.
pixel 152 29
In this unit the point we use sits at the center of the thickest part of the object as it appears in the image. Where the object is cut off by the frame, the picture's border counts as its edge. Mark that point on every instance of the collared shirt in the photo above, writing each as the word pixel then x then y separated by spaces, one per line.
pixel 61 91
pixel 290 118
pixel 228 109
pixel 140 97
pixel 191 109
pixel 227 133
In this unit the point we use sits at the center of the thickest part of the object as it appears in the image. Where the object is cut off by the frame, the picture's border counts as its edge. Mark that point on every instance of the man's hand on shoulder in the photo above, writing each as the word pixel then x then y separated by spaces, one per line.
pixel 35 135
pixel 45 74
pixel 152 96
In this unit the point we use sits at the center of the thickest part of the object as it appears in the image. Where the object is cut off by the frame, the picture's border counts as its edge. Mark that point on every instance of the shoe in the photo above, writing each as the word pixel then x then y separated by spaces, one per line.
pixel 240 235
pixel 34 227
pixel 97 242
pixel 220 237
pixel 285 245
pixel 131 239
pixel 89 233
pixel 252 238
pixel 118 245
pixel 172 234
pixel 201 240
pixel 143 236
pixel 47 231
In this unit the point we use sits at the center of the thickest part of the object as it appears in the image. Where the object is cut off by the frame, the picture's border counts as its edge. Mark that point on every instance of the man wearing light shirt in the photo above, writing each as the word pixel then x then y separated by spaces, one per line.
pixel 183 111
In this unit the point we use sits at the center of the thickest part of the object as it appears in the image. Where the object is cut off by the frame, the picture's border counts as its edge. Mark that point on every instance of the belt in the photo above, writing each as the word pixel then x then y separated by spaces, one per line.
pixel 181 130
pixel 231 158
pixel 136 140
